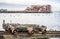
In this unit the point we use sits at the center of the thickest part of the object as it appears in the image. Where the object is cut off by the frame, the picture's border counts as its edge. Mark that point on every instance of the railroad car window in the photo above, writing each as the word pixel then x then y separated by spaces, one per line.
pixel 41 38
pixel 32 38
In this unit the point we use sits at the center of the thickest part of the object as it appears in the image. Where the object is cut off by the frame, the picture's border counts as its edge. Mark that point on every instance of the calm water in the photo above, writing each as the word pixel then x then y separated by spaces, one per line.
pixel 48 19
pixel 51 20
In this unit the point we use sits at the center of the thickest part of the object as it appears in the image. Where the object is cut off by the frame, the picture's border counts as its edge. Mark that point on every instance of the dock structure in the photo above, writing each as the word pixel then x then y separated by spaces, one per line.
pixel 24 34
pixel 49 34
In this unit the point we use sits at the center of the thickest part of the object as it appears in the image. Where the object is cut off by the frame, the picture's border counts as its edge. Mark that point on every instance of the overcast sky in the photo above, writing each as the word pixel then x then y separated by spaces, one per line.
pixel 54 3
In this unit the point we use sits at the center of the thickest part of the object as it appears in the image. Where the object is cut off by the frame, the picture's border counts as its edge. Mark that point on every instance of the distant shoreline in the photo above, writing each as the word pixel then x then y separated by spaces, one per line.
pixel 22 12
